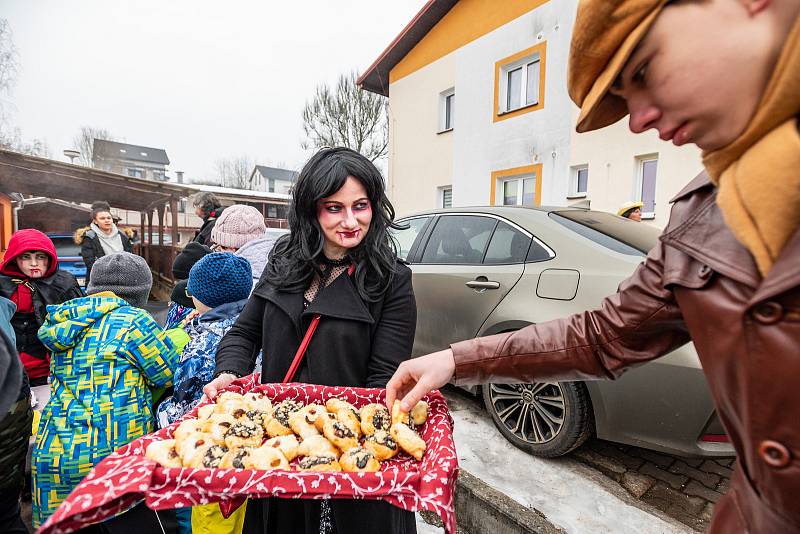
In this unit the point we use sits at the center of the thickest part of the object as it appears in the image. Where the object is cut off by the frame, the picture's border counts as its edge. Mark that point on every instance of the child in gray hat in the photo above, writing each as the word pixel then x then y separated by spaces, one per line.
pixel 107 355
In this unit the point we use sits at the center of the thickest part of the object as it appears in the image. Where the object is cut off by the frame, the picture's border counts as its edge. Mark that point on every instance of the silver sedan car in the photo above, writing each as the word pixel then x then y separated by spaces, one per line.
pixel 485 270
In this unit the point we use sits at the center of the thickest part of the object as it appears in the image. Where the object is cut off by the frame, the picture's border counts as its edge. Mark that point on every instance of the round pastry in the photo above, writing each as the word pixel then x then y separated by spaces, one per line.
pixel 319 463
pixel 218 425
pixel 408 440
pixel 302 421
pixel 244 433
pixel 419 413
pixel 350 420
pixel 317 446
pixel 278 425
pixel 322 418
pixel 188 443
pixel 381 445
pixel 228 402
pixel 374 417
pixel 235 459
pixel 266 458
pixel 164 453
pixel 288 445
pixel 359 459
pixel 398 415
pixel 193 456
pixel 258 417
pixel 257 401
pixel 333 405
pixel 187 427
pixel 340 435
pixel 213 456
pixel 205 411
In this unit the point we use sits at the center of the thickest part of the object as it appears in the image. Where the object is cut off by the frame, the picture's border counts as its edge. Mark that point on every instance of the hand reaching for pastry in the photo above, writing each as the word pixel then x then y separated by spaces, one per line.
pixel 221 382
pixel 416 378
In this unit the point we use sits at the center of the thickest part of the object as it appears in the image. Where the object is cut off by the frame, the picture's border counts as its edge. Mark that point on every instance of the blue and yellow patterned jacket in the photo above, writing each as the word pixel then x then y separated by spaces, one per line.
pixel 106 357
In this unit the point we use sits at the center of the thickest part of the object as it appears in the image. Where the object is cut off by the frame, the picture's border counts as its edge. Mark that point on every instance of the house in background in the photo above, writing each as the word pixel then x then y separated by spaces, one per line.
pixel 480 115
pixel 130 160
pixel 272 179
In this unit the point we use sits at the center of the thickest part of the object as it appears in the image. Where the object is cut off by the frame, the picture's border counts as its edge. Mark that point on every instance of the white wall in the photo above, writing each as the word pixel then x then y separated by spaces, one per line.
pixel 611 154
pixel 420 158
pixel 483 146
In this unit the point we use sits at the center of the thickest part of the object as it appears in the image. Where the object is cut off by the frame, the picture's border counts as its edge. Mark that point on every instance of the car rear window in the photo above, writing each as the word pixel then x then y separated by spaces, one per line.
pixel 615 233
pixel 66 247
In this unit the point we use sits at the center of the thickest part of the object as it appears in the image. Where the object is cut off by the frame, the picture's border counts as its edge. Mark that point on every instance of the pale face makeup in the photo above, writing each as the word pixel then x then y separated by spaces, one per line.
pixel 344 218
pixel 33 264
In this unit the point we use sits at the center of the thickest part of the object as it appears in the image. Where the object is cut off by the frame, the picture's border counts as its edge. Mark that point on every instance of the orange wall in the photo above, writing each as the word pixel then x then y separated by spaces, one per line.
pixel 6 221
pixel 467 21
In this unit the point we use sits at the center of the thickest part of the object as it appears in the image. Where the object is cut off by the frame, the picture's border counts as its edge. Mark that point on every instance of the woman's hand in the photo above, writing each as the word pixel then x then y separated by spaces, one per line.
pixel 221 382
pixel 416 378
pixel 189 316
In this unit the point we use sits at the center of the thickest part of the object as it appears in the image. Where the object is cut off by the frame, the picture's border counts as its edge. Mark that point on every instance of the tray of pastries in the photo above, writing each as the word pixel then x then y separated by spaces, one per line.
pixel 280 440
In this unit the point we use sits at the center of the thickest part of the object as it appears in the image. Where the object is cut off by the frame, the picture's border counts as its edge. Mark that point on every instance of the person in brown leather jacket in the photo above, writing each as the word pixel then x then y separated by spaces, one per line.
pixel 726 272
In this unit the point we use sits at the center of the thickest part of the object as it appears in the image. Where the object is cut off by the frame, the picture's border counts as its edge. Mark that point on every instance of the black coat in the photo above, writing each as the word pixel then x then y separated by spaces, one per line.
pixel 60 287
pixel 91 249
pixel 357 343
pixel 203 235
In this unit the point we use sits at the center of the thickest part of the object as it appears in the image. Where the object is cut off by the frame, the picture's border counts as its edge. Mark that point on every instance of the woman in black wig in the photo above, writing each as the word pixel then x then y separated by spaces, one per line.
pixel 339 217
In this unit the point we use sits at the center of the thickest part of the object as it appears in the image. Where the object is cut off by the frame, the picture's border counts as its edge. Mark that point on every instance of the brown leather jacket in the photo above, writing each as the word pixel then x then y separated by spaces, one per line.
pixel 699 283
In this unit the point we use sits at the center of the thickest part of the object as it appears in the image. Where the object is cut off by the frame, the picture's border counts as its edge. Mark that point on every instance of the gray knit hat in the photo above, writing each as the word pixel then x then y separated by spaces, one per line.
pixel 124 274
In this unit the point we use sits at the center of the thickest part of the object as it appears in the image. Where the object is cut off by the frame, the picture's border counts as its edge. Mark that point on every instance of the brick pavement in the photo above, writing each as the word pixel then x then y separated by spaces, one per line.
pixel 683 488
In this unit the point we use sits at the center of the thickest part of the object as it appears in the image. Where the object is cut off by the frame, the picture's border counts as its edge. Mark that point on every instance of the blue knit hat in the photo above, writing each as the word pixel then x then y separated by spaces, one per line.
pixel 219 278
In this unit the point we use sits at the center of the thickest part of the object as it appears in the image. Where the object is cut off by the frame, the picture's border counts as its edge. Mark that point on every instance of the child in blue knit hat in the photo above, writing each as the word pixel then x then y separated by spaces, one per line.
pixel 219 285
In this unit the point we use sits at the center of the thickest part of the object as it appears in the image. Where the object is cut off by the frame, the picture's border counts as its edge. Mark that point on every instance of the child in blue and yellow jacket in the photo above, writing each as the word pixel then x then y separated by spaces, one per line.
pixel 107 355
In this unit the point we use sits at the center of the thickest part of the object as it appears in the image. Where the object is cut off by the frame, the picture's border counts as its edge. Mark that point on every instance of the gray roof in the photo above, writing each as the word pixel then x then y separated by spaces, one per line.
pixel 114 150
pixel 276 174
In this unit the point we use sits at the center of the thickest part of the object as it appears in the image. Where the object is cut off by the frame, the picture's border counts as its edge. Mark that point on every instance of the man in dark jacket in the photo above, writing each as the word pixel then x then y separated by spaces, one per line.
pixel 30 278
pixel 208 207
pixel 15 424
pixel 725 273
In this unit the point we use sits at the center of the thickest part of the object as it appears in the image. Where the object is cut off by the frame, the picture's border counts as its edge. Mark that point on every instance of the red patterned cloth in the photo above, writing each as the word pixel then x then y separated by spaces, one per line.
pixel 126 476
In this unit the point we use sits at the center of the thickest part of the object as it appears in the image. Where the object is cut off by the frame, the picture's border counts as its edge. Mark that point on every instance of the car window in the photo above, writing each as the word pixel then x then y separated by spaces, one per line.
pixel 459 239
pixel 405 237
pixel 615 233
pixel 65 247
pixel 508 245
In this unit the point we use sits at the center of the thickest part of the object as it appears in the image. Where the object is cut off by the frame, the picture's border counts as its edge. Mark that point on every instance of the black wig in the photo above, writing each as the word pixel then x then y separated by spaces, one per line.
pixel 298 255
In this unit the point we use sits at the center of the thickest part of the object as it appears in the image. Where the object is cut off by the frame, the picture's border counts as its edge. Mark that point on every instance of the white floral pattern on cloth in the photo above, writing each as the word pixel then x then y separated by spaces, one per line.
pixel 126 476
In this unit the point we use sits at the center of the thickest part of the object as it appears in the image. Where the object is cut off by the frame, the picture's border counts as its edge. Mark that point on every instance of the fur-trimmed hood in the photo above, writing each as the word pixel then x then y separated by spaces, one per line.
pixel 80 233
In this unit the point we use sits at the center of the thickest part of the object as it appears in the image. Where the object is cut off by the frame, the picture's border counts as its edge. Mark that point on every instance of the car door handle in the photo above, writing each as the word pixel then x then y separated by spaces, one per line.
pixel 483 284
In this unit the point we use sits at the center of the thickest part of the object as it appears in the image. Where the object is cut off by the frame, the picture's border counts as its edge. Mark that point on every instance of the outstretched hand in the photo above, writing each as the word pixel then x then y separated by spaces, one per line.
pixel 221 382
pixel 416 378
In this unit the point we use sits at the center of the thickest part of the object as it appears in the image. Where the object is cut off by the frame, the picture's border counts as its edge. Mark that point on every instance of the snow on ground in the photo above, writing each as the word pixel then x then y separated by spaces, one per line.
pixel 565 496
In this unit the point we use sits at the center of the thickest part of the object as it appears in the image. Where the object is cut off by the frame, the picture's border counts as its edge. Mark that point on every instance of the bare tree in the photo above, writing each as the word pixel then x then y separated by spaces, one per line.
pixel 206 181
pixel 83 142
pixel 347 116
pixel 9 66
pixel 11 139
pixel 236 172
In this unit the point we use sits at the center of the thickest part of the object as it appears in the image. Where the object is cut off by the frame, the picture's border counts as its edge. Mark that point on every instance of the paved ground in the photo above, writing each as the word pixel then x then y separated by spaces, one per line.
pixel 682 489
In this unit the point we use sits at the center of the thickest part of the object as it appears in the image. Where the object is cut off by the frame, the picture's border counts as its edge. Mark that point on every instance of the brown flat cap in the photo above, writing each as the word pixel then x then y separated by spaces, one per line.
pixel 605 35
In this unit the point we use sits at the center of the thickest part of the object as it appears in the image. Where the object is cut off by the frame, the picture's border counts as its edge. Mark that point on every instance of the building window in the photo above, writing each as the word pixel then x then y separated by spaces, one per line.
pixel 272 212
pixel 646 185
pixel 446 197
pixel 520 186
pixel 133 172
pixel 271 185
pixel 182 205
pixel 159 175
pixel 519 83
pixel 447 110
pixel 579 181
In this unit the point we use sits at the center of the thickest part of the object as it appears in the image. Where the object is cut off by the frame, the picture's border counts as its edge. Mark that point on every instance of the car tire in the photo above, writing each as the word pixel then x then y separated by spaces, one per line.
pixel 546 419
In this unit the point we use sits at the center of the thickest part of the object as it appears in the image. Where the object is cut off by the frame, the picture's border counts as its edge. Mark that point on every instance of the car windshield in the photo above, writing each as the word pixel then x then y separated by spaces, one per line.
pixel 613 232
pixel 66 247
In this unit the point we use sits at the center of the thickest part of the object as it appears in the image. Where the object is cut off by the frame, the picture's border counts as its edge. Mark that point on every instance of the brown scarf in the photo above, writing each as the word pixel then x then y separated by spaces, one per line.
pixel 758 174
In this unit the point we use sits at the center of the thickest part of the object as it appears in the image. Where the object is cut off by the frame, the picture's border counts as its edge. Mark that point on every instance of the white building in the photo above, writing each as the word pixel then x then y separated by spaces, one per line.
pixel 479 115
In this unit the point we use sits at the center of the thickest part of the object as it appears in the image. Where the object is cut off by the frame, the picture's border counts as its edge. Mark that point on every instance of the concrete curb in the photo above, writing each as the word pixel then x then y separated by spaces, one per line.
pixel 481 509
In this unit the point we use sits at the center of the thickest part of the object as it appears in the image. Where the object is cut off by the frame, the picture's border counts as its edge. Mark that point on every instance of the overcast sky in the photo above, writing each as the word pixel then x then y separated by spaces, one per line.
pixel 202 79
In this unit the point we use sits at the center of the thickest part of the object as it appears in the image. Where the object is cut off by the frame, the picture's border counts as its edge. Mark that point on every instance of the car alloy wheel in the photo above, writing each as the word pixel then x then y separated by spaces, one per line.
pixel 544 418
